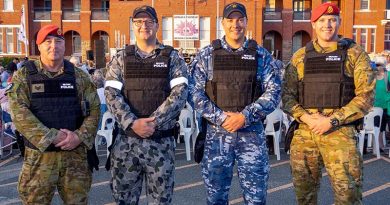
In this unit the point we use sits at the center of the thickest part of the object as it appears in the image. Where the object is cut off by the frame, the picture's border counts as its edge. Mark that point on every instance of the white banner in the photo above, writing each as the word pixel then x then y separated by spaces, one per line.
pixel 186 27
pixel 22 31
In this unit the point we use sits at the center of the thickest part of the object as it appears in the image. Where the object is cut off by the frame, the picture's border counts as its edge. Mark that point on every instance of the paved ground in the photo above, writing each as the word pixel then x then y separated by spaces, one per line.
pixel 189 188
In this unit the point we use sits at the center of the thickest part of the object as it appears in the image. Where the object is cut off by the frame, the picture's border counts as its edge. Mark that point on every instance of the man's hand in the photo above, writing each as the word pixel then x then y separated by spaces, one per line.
pixel 233 122
pixel 60 137
pixel 144 127
pixel 70 142
pixel 321 124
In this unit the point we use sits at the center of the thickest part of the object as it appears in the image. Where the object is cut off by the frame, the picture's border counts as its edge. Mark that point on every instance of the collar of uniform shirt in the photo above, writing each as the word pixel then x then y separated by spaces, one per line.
pixel 153 54
pixel 49 74
pixel 320 49
pixel 226 46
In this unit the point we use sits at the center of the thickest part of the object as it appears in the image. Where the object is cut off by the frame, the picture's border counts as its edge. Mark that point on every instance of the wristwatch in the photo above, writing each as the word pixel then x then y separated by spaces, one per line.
pixel 334 122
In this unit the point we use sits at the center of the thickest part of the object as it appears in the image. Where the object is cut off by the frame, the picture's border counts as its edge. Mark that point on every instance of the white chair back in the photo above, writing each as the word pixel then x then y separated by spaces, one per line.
pixel 105 130
pixel 187 127
pixel 371 130
pixel 275 117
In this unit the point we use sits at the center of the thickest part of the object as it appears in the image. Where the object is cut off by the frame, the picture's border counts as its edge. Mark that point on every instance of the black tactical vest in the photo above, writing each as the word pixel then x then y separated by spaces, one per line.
pixel 324 83
pixel 55 101
pixel 234 83
pixel 146 81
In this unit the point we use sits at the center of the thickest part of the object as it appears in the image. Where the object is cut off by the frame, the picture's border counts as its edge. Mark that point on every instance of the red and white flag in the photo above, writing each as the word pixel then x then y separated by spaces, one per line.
pixel 22 31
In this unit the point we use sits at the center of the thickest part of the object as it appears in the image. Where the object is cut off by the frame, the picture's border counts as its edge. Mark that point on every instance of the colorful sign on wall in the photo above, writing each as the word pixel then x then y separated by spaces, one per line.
pixel 186 27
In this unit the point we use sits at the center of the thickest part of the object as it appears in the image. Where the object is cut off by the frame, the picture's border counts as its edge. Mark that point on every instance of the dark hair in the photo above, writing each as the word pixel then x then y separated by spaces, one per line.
pixel 11 67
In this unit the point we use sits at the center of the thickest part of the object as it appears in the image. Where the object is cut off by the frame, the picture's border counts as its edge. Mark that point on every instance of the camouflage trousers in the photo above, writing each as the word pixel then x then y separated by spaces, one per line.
pixel 43 172
pixel 222 149
pixel 134 159
pixel 337 151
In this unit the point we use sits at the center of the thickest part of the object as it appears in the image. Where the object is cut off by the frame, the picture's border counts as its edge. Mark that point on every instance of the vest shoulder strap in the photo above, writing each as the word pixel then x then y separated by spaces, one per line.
pixel 252 44
pixel 309 47
pixel 130 50
pixel 166 51
pixel 345 43
pixel 68 67
pixel 31 68
pixel 216 44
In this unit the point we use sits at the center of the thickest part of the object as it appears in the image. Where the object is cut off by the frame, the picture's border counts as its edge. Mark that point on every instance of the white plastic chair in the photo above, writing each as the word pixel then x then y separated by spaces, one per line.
pixel 371 130
pixel 105 130
pixel 275 117
pixel 186 116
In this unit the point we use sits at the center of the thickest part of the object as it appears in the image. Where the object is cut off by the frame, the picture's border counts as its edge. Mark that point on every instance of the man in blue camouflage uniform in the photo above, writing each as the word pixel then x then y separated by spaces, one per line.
pixel 146 87
pixel 233 86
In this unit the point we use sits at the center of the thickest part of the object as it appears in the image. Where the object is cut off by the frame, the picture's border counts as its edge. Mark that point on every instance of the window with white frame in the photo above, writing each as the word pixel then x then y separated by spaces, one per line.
pixel 372 45
pixel 354 33
pixel 132 36
pixel 220 31
pixel 364 4
pixel 167 31
pixel 18 43
pixel 204 24
pixel 47 5
pixel 363 38
pixel 8 5
pixel 9 40
pixel 387 38
pixel 76 42
pixel 1 40
pixel 76 5
pixel 270 5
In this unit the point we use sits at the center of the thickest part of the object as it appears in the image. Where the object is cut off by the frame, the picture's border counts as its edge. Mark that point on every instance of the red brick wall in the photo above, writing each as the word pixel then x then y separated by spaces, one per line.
pixel 121 11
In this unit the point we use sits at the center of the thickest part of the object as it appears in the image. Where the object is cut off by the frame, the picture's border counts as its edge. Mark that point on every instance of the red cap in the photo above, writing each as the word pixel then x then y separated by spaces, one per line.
pixel 327 8
pixel 51 30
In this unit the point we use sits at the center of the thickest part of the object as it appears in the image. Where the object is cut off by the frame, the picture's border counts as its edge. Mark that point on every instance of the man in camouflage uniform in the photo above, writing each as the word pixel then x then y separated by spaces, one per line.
pixel 146 87
pixel 46 99
pixel 234 87
pixel 327 114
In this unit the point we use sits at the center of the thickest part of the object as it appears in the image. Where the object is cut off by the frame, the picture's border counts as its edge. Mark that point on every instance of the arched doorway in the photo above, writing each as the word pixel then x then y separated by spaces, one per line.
pixel 272 41
pixel 100 35
pixel 72 43
pixel 300 39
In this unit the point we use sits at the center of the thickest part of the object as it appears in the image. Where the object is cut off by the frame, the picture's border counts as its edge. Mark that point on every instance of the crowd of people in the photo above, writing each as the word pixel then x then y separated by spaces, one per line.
pixel 233 84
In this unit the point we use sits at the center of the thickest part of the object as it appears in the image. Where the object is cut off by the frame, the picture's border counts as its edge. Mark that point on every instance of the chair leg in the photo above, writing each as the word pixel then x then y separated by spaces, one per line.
pixel 369 141
pixel 361 141
pixel 276 145
pixel 187 144
pixel 376 144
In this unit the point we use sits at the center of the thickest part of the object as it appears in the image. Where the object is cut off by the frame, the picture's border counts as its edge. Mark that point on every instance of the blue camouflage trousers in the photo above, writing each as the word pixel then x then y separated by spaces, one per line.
pixel 135 159
pixel 222 149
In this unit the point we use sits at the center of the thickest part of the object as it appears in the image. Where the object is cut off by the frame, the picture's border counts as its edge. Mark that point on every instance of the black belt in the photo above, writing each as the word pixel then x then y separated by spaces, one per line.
pixel 50 148
pixel 158 134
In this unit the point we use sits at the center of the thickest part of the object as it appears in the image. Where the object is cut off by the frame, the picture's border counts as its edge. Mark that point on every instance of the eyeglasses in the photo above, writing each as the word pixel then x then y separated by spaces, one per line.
pixel 148 23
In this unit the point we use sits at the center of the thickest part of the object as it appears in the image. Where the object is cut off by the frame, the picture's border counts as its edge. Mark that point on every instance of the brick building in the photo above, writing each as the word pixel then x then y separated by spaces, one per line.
pixel 277 24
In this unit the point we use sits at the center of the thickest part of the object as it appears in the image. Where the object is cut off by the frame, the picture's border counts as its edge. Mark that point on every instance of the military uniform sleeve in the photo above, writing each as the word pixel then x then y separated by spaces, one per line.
pixel 364 80
pixel 290 89
pixel 87 90
pixel 112 90
pixel 268 74
pixel 24 120
pixel 197 83
pixel 175 102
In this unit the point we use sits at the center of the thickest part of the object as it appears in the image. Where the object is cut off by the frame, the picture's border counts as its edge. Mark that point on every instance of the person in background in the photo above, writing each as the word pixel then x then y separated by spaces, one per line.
pixel 382 94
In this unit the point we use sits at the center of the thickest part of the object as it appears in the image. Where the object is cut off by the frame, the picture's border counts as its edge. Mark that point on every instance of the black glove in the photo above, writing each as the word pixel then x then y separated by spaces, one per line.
pixel 93 159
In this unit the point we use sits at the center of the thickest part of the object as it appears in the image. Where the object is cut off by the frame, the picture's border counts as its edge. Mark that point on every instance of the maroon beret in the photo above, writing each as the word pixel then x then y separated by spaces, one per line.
pixel 327 8
pixel 45 31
